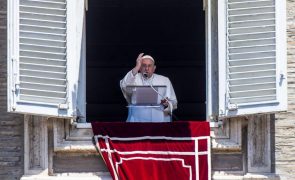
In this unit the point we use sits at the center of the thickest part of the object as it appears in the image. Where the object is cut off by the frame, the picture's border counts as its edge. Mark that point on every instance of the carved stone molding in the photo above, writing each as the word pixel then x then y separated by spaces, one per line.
pixel 68 138
pixel 36 145
pixel 259 149
pixel 228 137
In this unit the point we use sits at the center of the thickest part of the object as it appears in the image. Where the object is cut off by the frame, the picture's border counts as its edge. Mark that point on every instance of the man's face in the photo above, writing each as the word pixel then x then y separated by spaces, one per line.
pixel 148 67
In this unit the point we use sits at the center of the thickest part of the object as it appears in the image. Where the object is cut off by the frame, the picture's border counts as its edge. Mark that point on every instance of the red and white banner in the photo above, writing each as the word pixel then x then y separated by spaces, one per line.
pixel 155 151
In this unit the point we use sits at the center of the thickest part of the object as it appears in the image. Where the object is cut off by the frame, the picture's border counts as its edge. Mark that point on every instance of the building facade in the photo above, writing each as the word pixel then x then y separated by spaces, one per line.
pixel 252 146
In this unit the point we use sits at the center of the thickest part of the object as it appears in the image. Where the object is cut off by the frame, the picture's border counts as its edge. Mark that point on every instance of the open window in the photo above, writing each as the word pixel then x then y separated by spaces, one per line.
pixel 244 69
pixel 45 45
pixel 173 32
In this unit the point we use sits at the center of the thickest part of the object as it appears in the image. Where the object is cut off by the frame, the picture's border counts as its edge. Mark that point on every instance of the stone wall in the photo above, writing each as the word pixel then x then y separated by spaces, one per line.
pixel 285 122
pixel 11 125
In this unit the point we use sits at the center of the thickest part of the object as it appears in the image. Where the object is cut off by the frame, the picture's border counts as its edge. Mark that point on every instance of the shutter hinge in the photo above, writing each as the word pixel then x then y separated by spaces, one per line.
pixel 282 76
pixel 63 106
pixel 232 107
pixel 15 82
pixel 86 5
pixel 15 86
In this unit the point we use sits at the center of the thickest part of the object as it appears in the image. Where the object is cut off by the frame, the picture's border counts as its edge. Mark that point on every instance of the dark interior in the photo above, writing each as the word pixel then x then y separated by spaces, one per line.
pixel 172 31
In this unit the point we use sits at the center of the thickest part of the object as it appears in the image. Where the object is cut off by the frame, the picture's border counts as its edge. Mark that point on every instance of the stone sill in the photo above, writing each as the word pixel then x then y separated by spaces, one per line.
pixel 69 176
pixel 88 125
pixel 76 147
pixel 83 125
pixel 106 176
pixel 248 176
pixel 84 143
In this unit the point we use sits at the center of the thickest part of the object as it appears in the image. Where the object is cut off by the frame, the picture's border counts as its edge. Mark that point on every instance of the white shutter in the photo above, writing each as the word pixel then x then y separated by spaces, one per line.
pixel 252 56
pixel 41 58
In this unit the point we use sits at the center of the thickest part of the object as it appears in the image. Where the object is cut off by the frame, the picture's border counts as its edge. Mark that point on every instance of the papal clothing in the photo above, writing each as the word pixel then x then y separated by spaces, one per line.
pixel 148 113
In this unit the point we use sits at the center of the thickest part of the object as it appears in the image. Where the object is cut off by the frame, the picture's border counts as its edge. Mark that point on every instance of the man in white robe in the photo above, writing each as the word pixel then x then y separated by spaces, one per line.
pixel 143 74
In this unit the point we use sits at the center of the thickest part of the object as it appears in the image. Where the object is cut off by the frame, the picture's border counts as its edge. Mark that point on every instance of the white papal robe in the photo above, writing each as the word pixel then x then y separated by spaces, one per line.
pixel 148 113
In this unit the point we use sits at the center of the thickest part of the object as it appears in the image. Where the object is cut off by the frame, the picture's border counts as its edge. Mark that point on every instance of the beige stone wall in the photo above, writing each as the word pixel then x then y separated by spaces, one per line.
pixel 285 122
pixel 11 125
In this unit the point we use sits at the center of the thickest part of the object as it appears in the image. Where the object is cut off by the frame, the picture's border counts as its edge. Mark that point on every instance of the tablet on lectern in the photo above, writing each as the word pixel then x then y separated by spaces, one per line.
pixel 146 95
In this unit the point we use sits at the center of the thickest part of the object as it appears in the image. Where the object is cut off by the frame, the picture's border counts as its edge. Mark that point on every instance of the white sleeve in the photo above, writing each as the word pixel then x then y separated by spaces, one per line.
pixel 171 97
pixel 129 79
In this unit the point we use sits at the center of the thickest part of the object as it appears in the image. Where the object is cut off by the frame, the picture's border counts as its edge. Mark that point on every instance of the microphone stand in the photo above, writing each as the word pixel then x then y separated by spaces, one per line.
pixel 171 108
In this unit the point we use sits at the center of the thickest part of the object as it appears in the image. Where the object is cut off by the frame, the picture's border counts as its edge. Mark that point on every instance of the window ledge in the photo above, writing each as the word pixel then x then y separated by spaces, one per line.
pixel 263 176
pixel 83 125
pixel 70 138
pixel 75 147
pixel 88 125
pixel 70 176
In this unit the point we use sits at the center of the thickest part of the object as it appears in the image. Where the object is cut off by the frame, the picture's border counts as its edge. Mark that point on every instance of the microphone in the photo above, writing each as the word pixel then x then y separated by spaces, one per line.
pixel 145 75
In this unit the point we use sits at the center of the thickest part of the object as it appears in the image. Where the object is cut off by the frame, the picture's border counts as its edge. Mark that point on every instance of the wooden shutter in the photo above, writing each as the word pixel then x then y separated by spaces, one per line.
pixel 252 56
pixel 42 51
pixel 38 57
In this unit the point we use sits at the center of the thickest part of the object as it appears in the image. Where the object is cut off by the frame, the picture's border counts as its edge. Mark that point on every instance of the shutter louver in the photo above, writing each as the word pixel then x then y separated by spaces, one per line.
pixel 42 51
pixel 251 51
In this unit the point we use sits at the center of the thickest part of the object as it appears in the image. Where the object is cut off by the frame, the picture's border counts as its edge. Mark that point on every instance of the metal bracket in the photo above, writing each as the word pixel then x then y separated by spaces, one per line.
pixel 232 107
pixel 63 106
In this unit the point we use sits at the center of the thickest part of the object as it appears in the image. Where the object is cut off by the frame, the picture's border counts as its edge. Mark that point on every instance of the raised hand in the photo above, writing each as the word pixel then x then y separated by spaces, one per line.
pixel 138 64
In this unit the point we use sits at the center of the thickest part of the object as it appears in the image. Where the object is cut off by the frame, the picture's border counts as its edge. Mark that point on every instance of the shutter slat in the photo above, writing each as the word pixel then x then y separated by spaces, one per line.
pixel 251 49
pixel 36 99
pixel 49 87
pixel 36 54
pixel 47 93
pixel 252 67
pixel 44 74
pixel 251 93
pixel 43 61
pixel 45 4
pixel 252 86
pixel 249 4
pixel 41 35
pixel 251 42
pixel 40 80
pixel 245 17
pixel 45 29
pixel 252 36
pixel 248 55
pixel 43 67
pixel 242 62
pixel 61 1
pixel 265 22
pixel 237 1
pixel 50 11
pixel 43 48
pixel 38 41
pixel 250 100
pixel 42 16
pixel 50 21
pixel 249 80
pixel 251 10
pixel 270 72
pixel 253 29
pixel 45 9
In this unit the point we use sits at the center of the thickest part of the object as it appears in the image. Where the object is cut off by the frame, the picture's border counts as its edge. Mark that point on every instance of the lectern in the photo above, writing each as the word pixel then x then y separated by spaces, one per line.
pixel 145 104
